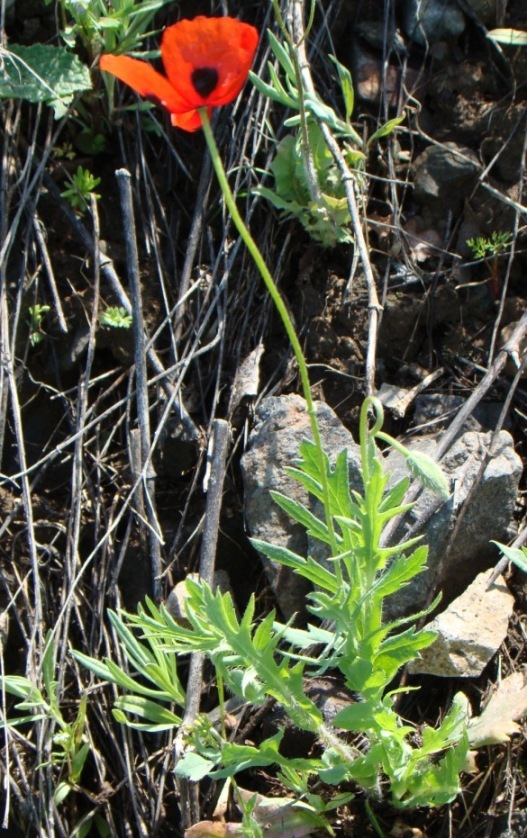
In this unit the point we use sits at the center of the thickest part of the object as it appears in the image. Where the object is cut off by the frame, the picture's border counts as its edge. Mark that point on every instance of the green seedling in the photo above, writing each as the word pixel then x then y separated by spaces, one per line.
pixel 107 25
pixel 489 249
pixel 483 248
pixel 70 746
pixel 308 183
pixel 116 317
pixel 82 187
pixel 36 316
pixel 325 218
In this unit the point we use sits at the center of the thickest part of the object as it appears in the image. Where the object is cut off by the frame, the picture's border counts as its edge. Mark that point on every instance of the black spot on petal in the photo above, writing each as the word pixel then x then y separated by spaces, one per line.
pixel 204 80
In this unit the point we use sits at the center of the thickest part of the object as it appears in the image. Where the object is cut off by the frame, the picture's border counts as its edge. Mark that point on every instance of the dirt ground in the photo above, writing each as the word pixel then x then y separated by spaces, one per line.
pixel 72 539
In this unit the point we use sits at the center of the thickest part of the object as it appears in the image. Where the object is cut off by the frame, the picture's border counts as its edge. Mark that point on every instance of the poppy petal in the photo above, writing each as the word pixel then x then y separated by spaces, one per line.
pixel 217 45
pixel 146 81
pixel 189 121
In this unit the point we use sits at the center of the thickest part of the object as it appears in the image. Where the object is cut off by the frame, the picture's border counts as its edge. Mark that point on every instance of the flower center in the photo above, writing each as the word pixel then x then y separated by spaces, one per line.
pixel 204 80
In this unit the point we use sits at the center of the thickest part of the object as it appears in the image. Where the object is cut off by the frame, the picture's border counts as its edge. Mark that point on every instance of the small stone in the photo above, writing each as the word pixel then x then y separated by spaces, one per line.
pixel 432 21
pixel 470 631
pixel 178 596
pixel 445 174
pixel 456 557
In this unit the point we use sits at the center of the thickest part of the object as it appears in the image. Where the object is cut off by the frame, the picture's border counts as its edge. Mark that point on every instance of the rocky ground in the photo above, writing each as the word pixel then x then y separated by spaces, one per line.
pixel 73 541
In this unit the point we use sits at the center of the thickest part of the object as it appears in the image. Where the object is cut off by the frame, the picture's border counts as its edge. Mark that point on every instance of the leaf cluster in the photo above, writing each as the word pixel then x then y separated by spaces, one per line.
pixel 262 660
pixel 323 211
pixel 42 73
pixel 70 746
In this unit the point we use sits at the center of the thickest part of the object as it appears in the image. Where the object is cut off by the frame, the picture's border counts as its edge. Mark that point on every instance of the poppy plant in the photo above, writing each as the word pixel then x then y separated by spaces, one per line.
pixel 206 61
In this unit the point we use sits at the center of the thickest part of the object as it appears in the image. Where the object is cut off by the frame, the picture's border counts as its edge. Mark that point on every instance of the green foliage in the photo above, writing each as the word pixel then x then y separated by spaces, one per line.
pixel 36 316
pixel 116 317
pixel 43 73
pixel 83 184
pixel 107 25
pixel 290 93
pixel 489 250
pixel 483 248
pixel 261 659
pixel 157 683
pixel 327 218
pixel 71 746
pixel 308 183
pixel 516 555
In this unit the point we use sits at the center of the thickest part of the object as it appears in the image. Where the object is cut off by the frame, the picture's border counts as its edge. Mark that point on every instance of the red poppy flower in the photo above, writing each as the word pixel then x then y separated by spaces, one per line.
pixel 206 61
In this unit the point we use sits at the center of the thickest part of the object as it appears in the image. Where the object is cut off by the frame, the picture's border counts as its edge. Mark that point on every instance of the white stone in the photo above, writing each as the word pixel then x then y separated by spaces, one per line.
pixel 470 631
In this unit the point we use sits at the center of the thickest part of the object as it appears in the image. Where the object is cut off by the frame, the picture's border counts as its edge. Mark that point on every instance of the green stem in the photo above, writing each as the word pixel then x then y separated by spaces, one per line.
pixel 280 306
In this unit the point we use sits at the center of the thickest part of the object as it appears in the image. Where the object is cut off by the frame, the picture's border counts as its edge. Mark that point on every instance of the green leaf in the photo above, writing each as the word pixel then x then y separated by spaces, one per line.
pixel 43 73
pixel 401 571
pixel 20 686
pixel 276 95
pixel 61 792
pixel 397 650
pixel 298 512
pixel 282 54
pixel 158 718
pixel 514 554
pixel 357 717
pixel 385 129
pixel 77 763
pixel 346 85
pixel 509 37
pixel 194 767
pixel 308 568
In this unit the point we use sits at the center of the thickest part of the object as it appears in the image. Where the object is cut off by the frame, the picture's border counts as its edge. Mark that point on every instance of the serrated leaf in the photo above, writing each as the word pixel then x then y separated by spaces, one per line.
pixel 298 512
pixel 43 73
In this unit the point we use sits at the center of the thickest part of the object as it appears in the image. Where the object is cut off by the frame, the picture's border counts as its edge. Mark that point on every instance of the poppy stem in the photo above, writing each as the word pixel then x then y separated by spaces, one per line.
pixel 281 308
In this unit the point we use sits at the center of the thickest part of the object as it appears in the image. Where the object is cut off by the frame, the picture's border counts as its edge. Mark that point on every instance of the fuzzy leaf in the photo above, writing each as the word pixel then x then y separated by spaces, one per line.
pixel 426 470
pixel 43 73
pixel 194 766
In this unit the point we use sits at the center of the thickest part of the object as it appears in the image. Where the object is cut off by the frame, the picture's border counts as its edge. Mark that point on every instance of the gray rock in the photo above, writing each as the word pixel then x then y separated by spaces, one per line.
pixel 445 175
pixel 484 10
pixel 281 425
pixel 429 21
pixel 456 557
pixel 438 410
pixel 178 596
pixel 469 632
